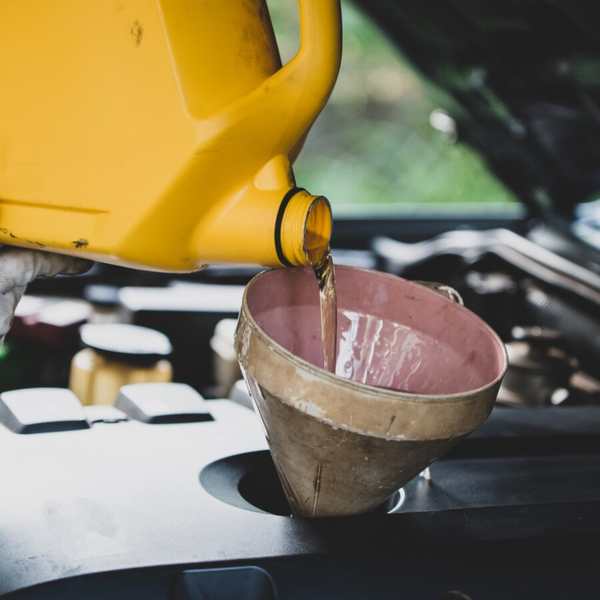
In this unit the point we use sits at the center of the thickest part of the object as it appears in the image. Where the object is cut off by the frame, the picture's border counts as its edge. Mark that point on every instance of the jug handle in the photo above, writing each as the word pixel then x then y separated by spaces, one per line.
pixel 443 290
pixel 277 113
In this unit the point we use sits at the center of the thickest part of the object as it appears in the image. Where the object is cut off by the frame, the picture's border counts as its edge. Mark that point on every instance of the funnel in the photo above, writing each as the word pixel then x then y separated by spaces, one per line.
pixel 415 373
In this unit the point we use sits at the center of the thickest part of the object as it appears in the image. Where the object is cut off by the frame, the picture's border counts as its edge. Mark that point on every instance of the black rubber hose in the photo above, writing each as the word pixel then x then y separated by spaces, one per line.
pixel 580 331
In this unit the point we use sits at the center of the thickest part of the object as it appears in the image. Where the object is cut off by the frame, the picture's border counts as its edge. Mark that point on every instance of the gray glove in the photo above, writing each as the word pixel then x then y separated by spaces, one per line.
pixel 19 266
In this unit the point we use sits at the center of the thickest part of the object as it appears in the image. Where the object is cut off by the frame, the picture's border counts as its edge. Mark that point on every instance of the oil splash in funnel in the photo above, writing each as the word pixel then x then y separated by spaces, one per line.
pixel 342 445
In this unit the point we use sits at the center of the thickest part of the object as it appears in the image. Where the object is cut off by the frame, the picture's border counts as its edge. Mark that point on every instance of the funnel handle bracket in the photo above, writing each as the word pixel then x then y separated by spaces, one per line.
pixel 443 290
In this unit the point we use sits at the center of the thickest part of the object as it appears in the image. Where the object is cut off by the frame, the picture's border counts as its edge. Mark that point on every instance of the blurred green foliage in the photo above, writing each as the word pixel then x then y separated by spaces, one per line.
pixel 373 142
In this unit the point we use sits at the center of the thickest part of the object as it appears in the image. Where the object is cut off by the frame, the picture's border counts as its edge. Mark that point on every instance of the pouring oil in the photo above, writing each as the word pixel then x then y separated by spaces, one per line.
pixel 325 274
pixel 322 264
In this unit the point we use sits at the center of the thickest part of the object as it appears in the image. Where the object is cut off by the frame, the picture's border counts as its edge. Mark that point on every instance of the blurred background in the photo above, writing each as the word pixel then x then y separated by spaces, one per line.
pixel 412 195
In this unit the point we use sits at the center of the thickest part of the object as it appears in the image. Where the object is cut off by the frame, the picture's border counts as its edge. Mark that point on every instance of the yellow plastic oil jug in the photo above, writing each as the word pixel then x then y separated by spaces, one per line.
pixel 158 134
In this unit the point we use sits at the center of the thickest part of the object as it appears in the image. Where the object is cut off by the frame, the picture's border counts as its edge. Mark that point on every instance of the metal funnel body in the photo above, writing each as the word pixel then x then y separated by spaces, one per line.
pixel 341 445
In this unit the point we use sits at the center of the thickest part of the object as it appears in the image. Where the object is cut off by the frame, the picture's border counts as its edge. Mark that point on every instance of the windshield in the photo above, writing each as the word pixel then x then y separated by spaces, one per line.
pixel 384 143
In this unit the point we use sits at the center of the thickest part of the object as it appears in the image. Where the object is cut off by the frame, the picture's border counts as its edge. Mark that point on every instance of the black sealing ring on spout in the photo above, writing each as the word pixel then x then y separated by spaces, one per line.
pixel 286 200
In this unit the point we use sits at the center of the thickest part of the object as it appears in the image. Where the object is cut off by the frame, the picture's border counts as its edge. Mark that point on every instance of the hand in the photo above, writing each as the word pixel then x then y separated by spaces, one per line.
pixel 19 266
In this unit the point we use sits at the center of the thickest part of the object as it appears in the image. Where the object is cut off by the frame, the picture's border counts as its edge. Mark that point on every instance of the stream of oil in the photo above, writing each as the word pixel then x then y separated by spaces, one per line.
pixel 325 274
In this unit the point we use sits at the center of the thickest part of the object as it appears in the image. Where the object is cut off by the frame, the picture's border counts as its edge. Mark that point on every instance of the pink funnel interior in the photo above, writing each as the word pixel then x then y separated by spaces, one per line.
pixel 391 333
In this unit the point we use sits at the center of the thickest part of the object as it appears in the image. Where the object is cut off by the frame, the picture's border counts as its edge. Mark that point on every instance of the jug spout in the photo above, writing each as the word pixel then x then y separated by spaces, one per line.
pixel 272 228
